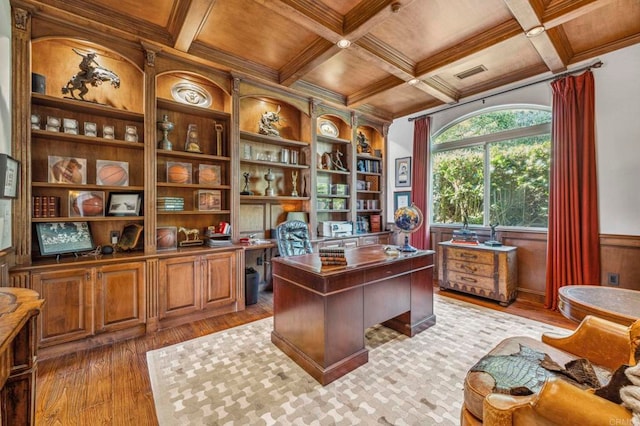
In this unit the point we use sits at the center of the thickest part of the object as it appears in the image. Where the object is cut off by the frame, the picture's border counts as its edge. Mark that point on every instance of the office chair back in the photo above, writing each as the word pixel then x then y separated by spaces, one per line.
pixel 293 238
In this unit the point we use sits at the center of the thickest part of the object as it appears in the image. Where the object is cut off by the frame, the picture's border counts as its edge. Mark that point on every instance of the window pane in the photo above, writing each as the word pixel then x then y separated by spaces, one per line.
pixel 493 122
pixel 458 186
pixel 520 181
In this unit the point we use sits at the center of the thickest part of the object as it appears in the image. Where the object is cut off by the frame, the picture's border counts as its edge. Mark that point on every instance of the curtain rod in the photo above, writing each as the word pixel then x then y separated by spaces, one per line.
pixel 597 64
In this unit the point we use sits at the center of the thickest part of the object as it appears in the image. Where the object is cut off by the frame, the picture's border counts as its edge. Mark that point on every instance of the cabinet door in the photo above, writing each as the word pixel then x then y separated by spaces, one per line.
pixel 180 286
pixel 120 295
pixel 220 280
pixel 69 301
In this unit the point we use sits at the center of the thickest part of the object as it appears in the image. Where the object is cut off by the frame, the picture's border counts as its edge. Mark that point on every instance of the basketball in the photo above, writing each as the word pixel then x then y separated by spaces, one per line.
pixel 165 238
pixel 177 173
pixel 209 177
pixel 67 171
pixel 112 174
pixel 89 205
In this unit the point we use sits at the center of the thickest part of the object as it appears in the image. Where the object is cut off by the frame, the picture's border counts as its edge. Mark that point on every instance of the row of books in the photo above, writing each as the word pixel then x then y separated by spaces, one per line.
pixel 369 166
pixel 332 256
pixel 45 206
pixel 170 204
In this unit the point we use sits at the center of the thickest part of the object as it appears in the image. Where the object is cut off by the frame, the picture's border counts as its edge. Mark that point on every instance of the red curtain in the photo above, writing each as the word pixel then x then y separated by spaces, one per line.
pixel 420 179
pixel 573 247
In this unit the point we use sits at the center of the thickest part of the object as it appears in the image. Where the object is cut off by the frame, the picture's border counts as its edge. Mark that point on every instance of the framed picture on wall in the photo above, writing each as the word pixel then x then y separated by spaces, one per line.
pixel 9 169
pixel 403 172
pixel 401 199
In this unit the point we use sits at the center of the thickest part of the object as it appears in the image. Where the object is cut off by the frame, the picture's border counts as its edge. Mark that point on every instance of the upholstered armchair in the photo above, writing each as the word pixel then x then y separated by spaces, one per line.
pixel 293 238
pixel 605 344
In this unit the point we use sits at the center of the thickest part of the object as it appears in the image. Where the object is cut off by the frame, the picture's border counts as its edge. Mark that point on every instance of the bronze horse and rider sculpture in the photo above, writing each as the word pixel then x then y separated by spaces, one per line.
pixel 90 73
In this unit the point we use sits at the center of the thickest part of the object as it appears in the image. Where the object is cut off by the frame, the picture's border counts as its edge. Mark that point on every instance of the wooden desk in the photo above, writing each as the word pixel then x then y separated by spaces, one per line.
pixel 614 304
pixel 320 314
pixel 18 361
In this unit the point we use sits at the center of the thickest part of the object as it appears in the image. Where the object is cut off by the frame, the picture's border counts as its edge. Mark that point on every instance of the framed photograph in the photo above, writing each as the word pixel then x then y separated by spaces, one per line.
pixel 64 237
pixel 166 238
pixel 9 174
pixel 86 203
pixel 130 237
pixel 67 170
pixel 208 174
pixel 112 173
pixel 209 200
pixel 124 204
pixel 401 199
pixel 403 171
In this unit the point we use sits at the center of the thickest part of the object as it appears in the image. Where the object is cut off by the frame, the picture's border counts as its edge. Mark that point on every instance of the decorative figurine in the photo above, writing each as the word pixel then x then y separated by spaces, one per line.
pixel 192 145
pixel 245 190
pixel 166 126
pixel 294 180
pixel 493 242
pixel 268 122
pixel 336 161
pixel 269 177
pixel 363 145
pixel 93 75
pixel 192 237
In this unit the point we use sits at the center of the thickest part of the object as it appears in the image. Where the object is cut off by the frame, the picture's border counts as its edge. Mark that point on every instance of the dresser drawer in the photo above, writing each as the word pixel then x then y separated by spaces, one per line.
pixel 481 269
pixel 470 255
pixel 387 271
pixel 468 281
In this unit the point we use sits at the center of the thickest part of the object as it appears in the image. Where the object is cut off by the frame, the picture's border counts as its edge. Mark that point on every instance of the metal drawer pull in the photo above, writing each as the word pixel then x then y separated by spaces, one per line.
pixel 468 268
pixel 468 255
pixel 471 280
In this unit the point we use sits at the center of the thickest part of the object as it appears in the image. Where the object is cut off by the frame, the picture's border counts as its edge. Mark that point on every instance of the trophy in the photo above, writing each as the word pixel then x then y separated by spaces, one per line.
pixel 269 177
pixel 245 190
pixel 294 180
pixel 166 126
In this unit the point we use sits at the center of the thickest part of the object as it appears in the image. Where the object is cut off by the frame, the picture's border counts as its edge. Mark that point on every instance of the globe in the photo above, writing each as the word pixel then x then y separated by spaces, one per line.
pixel 408 219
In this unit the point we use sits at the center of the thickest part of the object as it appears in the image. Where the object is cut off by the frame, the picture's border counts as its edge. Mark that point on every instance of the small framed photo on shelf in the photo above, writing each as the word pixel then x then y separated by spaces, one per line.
pixel 86 203
pixel 131 134
pixel 209 200
pixel 178 172
pixel 401 199
pixel 67 170
pixel 112 173
pixel 403 172
pixel 124 204
pixel 64 237
pixel 208 174
pixel 166 238
pixel 108 131
pixel 90 129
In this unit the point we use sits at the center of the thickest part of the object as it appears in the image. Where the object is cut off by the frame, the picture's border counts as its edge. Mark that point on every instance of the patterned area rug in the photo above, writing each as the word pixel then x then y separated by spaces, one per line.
pixel 238 377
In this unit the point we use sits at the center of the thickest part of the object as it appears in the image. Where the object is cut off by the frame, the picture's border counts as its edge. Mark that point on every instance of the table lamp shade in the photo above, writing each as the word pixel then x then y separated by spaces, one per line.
pixel 301 216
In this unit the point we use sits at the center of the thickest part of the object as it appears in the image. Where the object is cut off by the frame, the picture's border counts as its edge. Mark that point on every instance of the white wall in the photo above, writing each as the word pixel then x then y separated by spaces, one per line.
pixel 617 133
pixel 5 112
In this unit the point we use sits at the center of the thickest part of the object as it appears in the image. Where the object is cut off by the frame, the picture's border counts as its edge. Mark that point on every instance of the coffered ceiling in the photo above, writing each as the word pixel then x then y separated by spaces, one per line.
pixel 452 48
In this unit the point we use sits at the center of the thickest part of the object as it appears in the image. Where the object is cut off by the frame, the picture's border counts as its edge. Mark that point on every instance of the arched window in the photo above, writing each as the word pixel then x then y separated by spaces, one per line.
pixel 492 166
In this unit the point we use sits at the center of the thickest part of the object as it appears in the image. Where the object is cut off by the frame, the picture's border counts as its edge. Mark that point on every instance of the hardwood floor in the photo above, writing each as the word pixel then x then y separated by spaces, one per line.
pixel 110 385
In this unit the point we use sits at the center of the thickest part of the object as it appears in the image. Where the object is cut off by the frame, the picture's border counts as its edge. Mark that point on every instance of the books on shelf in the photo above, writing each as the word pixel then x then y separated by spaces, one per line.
pixel 332 256
pixel 45 206
pixel 170 204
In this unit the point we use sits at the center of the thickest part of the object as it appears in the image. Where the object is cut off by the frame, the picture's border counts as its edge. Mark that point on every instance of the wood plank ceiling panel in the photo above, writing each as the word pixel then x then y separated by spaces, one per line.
pixel 157 12
pixel 249 30
pixel 341 6
pixel 402 98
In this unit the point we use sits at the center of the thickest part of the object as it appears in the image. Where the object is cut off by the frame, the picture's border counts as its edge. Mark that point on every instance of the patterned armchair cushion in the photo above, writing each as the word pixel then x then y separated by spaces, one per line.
pixel 293 238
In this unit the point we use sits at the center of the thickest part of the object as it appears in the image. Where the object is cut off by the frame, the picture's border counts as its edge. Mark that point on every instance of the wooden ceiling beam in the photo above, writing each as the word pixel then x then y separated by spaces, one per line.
pixel 560 12
pixel 366 15
pixel 314 55
pixel 190 17
pixel 528 16
pixel 359 97
pixel 322 21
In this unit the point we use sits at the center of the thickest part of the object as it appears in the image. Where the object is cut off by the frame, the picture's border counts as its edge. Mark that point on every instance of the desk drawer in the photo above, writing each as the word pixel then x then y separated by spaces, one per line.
pixel 386 271
pixel 480 269
pixel 470 255
pixel 468 281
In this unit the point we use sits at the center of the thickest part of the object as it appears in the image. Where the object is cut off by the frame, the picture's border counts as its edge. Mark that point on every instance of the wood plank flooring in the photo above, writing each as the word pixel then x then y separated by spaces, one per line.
pixel 110 385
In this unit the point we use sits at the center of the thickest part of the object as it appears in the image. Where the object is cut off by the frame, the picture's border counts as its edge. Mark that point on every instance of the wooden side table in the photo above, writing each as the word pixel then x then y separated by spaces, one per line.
pixel 19 308
pixel 611 303
pixel 486 271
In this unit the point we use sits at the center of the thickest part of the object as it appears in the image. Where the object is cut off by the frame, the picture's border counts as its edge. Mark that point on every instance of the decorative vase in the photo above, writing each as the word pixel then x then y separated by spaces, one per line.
pixel 165 126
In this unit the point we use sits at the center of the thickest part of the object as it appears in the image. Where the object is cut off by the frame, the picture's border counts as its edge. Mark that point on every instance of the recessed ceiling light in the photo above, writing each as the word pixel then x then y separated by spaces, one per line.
pixel 535 31
pixel 413 82
pixel 344 43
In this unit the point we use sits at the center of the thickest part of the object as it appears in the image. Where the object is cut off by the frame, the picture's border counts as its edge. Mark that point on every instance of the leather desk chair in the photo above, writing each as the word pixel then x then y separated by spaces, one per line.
pixel 293 238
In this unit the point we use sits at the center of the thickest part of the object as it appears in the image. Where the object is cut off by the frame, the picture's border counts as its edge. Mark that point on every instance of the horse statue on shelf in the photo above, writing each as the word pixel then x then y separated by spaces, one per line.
pixel 268 122
pixel 89 74
pixel 190 234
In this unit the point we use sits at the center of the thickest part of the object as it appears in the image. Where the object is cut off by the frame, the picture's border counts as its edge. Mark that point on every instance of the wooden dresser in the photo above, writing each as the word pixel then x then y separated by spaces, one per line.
pixel 485 271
